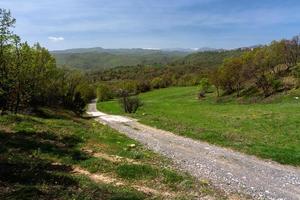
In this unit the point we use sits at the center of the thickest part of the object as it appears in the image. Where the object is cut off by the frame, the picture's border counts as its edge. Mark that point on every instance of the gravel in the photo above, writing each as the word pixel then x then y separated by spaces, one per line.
pixel 230 171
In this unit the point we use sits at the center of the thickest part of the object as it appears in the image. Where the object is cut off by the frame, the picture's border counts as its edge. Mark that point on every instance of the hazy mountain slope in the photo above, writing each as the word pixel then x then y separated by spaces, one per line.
pixel 96 61
pixel 99 58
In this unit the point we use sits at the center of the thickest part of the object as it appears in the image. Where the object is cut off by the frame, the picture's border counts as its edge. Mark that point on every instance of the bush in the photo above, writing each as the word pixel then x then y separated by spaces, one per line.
pixel 78 104
pixel 130 104
pixel 204 85
pixel 87 91
pixel 144 86
pixel 104 93
pixel 296 74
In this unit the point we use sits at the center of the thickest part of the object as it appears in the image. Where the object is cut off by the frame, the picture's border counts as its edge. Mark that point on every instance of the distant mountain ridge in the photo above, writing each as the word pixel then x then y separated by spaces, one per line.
pixel 133 50
pixel 98 58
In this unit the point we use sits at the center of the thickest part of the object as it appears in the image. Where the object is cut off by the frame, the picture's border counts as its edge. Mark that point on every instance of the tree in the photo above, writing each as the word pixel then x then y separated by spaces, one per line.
pixel 6 42
pixel 215 79
pixel 29 77
pixel 104 92
pixel 204 87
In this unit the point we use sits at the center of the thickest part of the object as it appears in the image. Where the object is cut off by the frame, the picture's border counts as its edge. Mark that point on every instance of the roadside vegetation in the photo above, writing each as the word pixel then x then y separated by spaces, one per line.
pixel 56 155
pixel 265 127
pixel 29 77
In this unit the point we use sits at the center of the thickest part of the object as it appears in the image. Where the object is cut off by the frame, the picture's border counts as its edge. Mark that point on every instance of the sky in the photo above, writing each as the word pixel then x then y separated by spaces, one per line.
pixel 63 24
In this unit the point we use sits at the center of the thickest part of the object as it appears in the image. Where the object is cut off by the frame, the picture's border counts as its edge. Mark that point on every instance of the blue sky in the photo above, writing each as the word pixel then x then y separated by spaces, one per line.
pixel 61 24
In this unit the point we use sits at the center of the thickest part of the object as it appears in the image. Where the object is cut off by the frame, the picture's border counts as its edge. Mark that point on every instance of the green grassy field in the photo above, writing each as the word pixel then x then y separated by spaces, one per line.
pixel 38 155
pixel 268 130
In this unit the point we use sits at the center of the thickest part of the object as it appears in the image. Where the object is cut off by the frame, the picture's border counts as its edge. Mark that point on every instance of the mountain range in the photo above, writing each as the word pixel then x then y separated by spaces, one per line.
pixel 99 58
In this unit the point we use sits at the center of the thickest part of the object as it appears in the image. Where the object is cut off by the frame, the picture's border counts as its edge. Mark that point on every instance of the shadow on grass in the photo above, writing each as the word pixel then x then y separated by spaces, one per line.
pixel 25 174
pixel 45 142
pixel 28 170
pixel 50 114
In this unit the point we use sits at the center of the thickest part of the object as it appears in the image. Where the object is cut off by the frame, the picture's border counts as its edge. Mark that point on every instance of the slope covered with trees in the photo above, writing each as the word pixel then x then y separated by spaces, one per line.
pixel 249 72
pixel 264 70
pixel 29 77
pixel 99 60
pixel 187 71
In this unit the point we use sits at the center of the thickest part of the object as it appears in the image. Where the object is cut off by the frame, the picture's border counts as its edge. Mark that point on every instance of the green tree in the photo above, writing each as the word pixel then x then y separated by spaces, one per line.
pixel 104 93
pixel 6 42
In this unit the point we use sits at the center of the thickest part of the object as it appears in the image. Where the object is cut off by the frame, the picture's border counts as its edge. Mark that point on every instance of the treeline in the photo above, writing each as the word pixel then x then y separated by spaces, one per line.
pixel 188 71
pixel 29 77
pixel 139 79
pixel 207 59
pixel 261 71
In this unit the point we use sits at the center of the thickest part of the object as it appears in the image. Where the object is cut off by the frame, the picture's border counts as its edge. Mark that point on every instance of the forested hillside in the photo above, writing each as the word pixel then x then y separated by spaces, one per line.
pixel 98 59
pixel 208 59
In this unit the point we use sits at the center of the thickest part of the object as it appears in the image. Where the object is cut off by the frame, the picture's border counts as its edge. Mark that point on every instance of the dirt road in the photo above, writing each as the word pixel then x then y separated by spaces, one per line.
pixel 226 169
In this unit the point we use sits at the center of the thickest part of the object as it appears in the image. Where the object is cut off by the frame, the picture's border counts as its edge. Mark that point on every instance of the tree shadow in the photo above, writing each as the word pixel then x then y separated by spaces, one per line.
pixel 26 174
pixel 50 114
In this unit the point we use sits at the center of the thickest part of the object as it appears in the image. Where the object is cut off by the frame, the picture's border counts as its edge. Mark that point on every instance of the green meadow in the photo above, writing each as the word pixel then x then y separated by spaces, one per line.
pixel 268 128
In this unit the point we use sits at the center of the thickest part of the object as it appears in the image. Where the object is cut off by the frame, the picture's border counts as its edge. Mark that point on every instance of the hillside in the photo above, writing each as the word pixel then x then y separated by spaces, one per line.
pixel 98 58
pixel 56 155
pixel 208 59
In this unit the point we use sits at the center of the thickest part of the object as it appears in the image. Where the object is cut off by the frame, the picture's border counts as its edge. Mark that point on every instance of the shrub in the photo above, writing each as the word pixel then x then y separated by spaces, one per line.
pixel 144 86
pixel 276 84
pixel 159 82
pixel 130 104
pixel 296 74
pixel 78 104
pixel 104 93
pixel 204 85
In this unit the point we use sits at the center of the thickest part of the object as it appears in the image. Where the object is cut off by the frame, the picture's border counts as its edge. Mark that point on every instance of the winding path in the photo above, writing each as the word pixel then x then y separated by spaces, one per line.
pixel 230 171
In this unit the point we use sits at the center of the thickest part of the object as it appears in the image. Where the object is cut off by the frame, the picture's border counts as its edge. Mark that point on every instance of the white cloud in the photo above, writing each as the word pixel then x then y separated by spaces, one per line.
pixel 56 39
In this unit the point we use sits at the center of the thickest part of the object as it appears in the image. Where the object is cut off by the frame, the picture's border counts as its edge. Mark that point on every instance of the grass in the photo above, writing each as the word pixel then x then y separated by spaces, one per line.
pixel 39 152
pixel 269 129
pixel 134 171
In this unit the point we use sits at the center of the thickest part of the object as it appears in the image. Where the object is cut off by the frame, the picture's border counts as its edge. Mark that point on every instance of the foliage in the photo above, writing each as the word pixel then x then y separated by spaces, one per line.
pixel 130 104
pixel 104 92
pixel 29 77
pixel 182 72
pixel 106 60
pixel 204 85
pixel 263 67
pixel 79 104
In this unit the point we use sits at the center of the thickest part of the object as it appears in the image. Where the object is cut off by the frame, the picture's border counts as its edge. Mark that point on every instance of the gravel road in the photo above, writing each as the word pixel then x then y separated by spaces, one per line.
pixel 230 171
